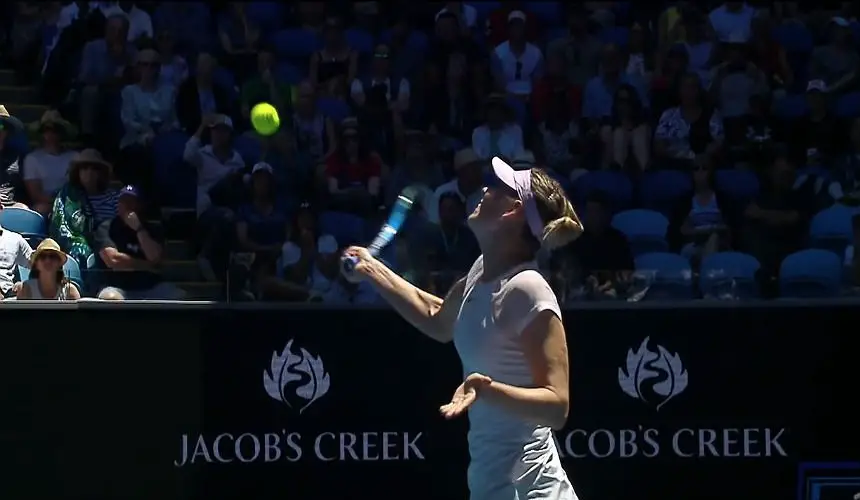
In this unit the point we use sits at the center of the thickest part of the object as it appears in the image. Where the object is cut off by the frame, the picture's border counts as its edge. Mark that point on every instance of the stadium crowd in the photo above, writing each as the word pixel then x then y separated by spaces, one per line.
pixel 710 151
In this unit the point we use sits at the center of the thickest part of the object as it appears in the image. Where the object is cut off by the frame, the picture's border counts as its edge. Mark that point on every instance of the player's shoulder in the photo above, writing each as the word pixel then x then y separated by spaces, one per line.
pixel 529 281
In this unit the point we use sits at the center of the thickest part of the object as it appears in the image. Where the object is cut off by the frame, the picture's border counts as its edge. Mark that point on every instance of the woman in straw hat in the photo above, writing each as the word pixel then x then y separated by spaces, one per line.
pixel 82 204
pixel 47 280
pixel 505 322
pixel 46 168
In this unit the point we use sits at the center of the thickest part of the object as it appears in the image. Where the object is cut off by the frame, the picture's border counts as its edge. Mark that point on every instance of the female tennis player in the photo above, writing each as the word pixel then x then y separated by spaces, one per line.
pixel 506 325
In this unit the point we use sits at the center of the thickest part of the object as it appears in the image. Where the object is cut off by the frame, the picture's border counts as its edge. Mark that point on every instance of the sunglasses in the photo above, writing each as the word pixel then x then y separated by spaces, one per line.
pixel 49 256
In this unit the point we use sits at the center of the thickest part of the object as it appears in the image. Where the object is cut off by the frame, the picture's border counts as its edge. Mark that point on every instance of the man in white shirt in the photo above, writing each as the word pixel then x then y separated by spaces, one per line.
pixel 14 252
pixel 516 62
pixel 467 184
pixel 732 19
pixel 139 21
pixel 214 161
pixel 397 89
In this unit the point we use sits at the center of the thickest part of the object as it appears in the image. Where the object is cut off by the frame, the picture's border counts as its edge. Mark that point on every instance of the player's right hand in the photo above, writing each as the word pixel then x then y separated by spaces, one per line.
pixel 362 266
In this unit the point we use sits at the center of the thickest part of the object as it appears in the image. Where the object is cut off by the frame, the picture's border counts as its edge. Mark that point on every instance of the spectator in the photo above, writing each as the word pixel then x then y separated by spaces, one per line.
pixel 200 96
pixel 216 162
pixel 666 81
pixel 10 171
pixel 103 71
pixel 174 67
pixel 396 90
pixel 336 64
pixel 553 92
pixel 705 226
pixel 450 108
pixel 754 135
pixel 602 253
pixel 699 47
pixel 836 63
pixel 775 223
pixel 451 246
pixel 85 202
pixel 499 21
pixel 640 55
pixel 559 140
pixel 845 184
pixel 499 135
pixel 517 63
pixel 406 59
pixel 14 252
pixel 818 135
pixel 415 168
pixel 354 172
pixel 769 56
pixel 466 185
pixel 46 168
pixel 263 86
pixel 132 249
pixel 735 80
pixel 315 133
pixel 239 37
pixel 466 15
pixel 627 132
pixel 139 22
pixel 597 98
pixel 188 22
pixel 24 40
pixel 111 293
pixel 580 49
pixel 263 224
pixel 732 19
pixel 687 132
pixel 450 40
pixel 47 280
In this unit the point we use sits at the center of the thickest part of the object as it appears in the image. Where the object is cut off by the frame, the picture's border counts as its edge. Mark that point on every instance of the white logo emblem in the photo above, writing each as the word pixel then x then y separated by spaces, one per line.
pixel 645 364
pixel 288 368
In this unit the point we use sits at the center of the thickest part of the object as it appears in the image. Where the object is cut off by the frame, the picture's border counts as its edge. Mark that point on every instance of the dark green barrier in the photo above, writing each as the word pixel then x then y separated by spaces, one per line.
pixel 266 403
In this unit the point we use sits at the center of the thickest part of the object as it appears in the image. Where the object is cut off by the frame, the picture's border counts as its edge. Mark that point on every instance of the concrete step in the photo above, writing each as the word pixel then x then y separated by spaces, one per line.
pixel 181 270
pixel 18 94
pixel 201 290
pixel 27 112
pixel 8 78
pixel 178 250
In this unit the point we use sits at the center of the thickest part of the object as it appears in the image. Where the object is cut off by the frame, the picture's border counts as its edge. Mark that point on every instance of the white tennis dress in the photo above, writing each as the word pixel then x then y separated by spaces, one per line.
pixel 512 459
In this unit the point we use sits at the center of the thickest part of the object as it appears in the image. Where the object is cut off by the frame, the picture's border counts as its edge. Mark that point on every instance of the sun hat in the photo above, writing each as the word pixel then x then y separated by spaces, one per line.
pixel 47 245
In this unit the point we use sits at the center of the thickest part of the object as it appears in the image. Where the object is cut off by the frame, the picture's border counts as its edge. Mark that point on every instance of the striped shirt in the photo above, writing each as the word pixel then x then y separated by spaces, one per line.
pixel 103 206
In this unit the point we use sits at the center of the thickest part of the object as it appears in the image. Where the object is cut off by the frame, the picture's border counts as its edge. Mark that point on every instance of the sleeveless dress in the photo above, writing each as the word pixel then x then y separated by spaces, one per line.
pixel 512 459
pixel 32 286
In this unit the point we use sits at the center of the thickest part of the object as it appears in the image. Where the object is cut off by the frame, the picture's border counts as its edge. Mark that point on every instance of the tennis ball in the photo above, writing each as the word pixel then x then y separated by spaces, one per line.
pixel 264 118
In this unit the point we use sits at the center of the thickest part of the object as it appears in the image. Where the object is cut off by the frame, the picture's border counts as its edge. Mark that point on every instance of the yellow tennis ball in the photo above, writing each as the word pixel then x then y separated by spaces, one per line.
pixel 265 119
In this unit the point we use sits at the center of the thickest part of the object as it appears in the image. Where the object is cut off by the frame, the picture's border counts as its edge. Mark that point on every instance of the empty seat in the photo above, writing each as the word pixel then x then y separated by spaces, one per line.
pixel 345 227
pixel 615 185
pixel 810 273
pixel 830 229
pixel 645 230
pixel 663 189
pixel 729 274
pixel 666 275
pixel 23 221
pixel 296 42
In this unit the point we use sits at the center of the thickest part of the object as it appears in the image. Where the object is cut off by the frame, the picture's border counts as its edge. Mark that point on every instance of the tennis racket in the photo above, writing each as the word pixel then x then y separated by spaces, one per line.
pixel 405 200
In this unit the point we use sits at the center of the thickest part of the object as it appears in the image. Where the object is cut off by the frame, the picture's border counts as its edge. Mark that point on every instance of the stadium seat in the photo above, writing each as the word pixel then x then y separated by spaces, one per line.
pixel 548 13
pixel 289 73
pixel 791 106
pixel 417 40
pixel 346 228
pixel 23 221
pixel 810 273
pixel 830 229
pixel 359 40
pixel 73 272
pixel 615 185
pixel 249 148
pixel 176 181
pixel 336 109
pixel 645 230
pixel 663 189
pixel 732 273
pixel 740 185
pixel 296 43
pixel 668 275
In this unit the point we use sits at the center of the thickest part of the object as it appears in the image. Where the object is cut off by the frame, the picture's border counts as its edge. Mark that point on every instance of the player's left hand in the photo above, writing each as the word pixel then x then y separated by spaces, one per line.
pixel 465 395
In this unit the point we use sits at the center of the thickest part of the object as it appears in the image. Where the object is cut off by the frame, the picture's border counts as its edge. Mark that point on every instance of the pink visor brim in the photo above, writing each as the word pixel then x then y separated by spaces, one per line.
pixel 521 182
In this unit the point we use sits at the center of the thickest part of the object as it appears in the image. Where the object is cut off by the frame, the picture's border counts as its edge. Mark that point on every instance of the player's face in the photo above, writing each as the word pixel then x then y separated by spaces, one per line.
pixel 490 214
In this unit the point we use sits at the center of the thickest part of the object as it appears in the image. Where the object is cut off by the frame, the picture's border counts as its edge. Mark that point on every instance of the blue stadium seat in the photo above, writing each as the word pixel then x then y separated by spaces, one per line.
pixel 615 185
pixel 548 13
pixel 266 15
pixel 668 275
pixel 289 73
pixel 336 109
pixel 729 272
pixel 297 43
pixel 741 185
pixel 793 37
pixel 346 228
pixel 72 271
pixel 23 273
pixel 791 106
pixel 645 230
pixel 359 40
pixel 249 148
pixel 661 190
pixel 830 229
pixel 176 181
pixel 810 273
pixel 23 221
pixel 848 105
pixel 226 80
pixel 417 40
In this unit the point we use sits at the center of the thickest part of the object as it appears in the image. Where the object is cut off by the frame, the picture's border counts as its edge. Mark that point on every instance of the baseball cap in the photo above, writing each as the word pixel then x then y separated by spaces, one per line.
pixel 129 190
pixel 262 167
pixel 816 86
pixel 222 120
pixel 516 15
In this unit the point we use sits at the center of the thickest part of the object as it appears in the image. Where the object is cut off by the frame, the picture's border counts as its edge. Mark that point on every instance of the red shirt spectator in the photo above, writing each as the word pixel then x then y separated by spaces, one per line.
pixel 497 24
pixel 350 174
pixel 554 88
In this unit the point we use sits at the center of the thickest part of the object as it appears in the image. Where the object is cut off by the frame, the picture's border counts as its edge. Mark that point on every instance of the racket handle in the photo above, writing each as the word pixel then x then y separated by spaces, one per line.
pixel 348 263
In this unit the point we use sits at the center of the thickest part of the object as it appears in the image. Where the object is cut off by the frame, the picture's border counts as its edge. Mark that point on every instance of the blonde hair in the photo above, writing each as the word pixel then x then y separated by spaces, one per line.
pixel 561 224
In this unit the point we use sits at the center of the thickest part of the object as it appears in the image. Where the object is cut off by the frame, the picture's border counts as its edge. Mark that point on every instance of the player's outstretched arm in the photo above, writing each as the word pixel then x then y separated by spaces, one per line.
pixel 432 315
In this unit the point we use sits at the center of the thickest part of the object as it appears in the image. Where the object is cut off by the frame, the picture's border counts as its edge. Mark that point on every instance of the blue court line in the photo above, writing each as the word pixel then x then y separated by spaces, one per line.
pixel 816 488
pixel 804 466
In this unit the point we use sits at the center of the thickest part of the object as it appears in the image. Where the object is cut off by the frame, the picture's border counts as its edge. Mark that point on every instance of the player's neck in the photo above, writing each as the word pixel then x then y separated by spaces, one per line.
pixel 500 263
